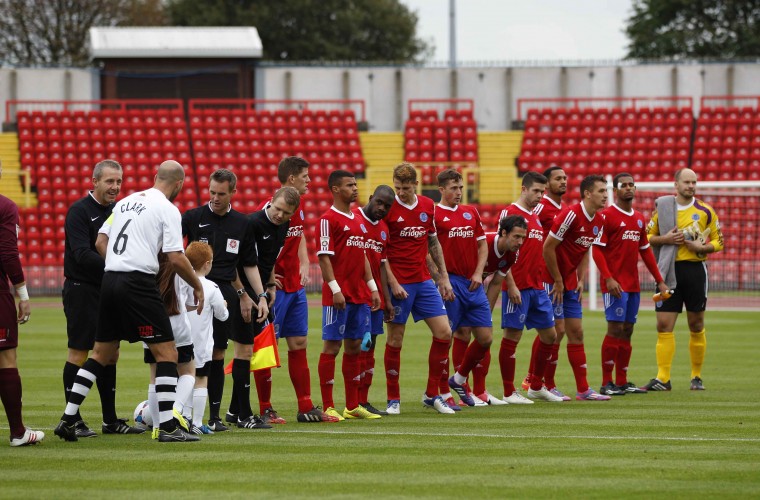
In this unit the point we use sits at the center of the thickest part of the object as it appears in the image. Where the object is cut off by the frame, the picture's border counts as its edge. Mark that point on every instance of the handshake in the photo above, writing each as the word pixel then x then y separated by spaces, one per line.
pixel 693 233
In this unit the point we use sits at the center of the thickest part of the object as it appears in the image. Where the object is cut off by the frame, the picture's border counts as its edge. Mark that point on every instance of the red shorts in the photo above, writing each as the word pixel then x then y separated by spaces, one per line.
pixel 8 322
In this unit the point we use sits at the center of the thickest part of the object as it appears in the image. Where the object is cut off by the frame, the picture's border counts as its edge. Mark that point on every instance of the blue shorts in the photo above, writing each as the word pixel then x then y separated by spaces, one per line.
pixel 535 311
pixel 291 314
pixel 468 308
pixel 423 302
pixel 623 310
pixel 349 323
pixel 376 322
pixel 571 306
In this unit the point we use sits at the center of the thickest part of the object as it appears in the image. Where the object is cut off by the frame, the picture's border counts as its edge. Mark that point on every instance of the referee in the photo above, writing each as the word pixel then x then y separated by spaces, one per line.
pixel 229 234
pixel 141 225
pixel 83 270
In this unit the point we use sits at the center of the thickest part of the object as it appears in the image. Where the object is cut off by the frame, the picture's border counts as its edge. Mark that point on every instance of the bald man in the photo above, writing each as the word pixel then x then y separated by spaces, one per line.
pixel 141 225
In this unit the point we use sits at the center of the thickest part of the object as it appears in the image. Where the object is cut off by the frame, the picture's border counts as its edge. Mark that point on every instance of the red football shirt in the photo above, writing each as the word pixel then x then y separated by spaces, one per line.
pixel 531 253
pixel 375 243
pixel 459 231
pixel 288 266
pixel 546 211
pixel 409 227
pixel 577 231
pixel 341 236
pixel 623 237
pixel 498 263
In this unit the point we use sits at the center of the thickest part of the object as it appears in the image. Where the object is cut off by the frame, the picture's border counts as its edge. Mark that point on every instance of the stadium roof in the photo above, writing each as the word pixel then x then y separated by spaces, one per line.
pixel 175 42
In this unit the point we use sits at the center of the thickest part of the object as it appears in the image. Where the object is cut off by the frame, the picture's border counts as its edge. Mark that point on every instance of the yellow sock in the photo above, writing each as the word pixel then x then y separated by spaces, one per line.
pixel 697 347
pixel 665 350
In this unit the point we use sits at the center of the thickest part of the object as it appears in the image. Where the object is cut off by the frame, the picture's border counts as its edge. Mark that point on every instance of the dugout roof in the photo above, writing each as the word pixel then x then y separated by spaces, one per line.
pixel 175 42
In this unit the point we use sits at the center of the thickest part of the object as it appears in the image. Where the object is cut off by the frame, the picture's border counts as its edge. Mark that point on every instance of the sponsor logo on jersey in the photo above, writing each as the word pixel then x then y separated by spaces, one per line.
pixel 622 224
pixel 376 246
pixel 536 234
pixel 462 232
pixel 631 235
pixel 585 241
pixel 413 232
pixel 423 217
pixel 446 219
pixel 355 241
pixel 467 215
pixel 400 219
pixel 295 232
pixel 346 228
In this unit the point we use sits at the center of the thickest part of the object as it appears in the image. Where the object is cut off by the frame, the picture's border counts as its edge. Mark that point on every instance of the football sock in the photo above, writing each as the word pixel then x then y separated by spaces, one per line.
pixel 364 357
pixel 542 356
pixel 551 368
pixel 200 395
pixel 153 404
pixel 392 361
pixel 166 389
pixel 241 387
pixel 107 389
pixel 458 349
pixel 369 368
pixel 472 357
pixel 184 392
pixel 69 374
pixel 263 380
pixel 351 379
pixel 507 364
pixel 86 376
pixel 577 357
pixel 298 368
pixel 697 347
pixel 665 350
pixel 10 394
pixel 479 374
pixel 326 369
pixel 533 352
pixel 215 387
pixel 610 347
pixel 623 359
pixel 438 360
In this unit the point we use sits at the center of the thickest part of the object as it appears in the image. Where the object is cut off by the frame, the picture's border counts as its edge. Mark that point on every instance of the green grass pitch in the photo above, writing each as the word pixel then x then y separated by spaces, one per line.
pixel 681 444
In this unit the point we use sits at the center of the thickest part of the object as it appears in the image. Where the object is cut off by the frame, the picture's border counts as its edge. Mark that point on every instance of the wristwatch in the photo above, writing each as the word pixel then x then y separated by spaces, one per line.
pixel 241 292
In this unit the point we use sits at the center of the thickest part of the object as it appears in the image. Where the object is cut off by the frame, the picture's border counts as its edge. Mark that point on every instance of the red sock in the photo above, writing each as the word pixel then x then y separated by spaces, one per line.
pixel 351 378
pixel 369 371
pixel 392 362
pixel 609 355
pixel 326 369
pixel 507 362
pixel 363 387
pixel 577 357
pixel 458 348
pixel 10 394
pixel 621 363
pixel 443 379
pixel 472 357
pixel 298 368
pixel 263 380
pixel 438 360
pixel 551 368
pixel 479 374
pixel 542 356
pixel 533 351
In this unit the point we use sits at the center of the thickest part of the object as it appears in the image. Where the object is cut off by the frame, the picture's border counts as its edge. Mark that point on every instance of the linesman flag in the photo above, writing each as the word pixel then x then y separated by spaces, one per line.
pixel 265 353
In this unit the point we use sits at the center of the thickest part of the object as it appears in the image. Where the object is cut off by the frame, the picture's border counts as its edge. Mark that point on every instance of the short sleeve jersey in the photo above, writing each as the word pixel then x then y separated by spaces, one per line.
pixel 577 231
pixel 341 236
pixel 229 235
pixel 141 225
pixel 10 263
pixel 81 261
pixel 409 227
pixel 624 236
pixel 269 239
pixel 288 264
pixel 459 230
pixel 498 263
pixel 375 243
pixel 546 211
pixel 697 212
pixel 531 253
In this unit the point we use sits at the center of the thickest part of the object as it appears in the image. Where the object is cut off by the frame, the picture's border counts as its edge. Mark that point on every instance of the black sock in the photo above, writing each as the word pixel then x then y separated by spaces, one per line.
pixel 166 388
pixel 215 387
pixel 69 374
pixel 107 389
pixel 90 371
pixel 241 382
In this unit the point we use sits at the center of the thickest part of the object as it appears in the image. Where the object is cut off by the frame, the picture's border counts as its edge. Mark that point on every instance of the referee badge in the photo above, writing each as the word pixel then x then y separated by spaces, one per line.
pixel 233 246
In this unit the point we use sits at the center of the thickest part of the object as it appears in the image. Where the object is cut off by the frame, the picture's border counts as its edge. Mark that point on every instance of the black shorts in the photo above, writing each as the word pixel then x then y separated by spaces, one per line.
pixel 203 370
pixel 691 288
pixel 184 355
pixel 80 304
pixel 8 322
pixel 131 310
pixel 234 327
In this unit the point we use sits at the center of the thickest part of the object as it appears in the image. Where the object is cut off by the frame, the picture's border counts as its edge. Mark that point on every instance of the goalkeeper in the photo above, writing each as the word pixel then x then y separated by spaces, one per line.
pixel 683 231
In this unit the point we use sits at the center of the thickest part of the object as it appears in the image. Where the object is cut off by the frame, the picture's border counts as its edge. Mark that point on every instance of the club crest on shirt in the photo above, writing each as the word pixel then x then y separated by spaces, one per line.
pixel 694 216
pixel 467 215
pixel 641 224
pixel 383 235
pixel 423 217
pixel 596 230
pixel 302 216
pixel 364 229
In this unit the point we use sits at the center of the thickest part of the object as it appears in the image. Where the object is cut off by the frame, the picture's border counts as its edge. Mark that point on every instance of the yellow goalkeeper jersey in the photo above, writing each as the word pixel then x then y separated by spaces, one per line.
pixel 705 217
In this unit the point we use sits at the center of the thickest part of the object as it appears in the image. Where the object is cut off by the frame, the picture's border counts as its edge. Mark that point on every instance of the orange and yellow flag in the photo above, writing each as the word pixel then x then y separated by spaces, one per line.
pixel 265 353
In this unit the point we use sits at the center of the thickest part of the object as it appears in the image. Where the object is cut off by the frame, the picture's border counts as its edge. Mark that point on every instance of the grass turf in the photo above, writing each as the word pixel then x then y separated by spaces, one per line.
pixel 679 444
